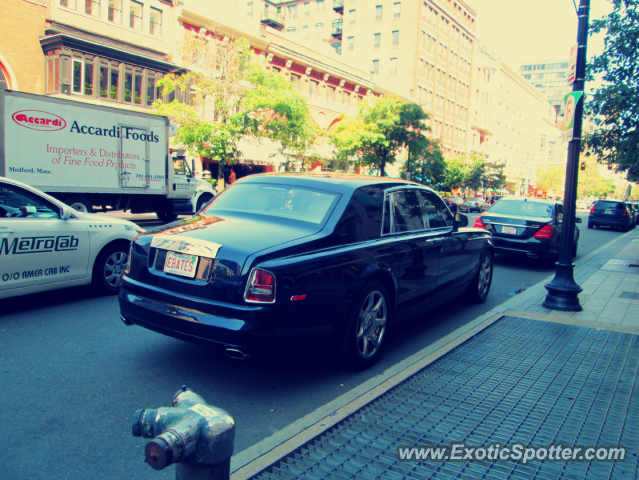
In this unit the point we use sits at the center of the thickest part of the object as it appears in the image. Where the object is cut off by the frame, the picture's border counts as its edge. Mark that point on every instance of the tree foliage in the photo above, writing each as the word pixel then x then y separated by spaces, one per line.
pixel 428 168
pixel 592 183
pixel 552 178
pixel 234 97
pixel 382 128
pixel 615 105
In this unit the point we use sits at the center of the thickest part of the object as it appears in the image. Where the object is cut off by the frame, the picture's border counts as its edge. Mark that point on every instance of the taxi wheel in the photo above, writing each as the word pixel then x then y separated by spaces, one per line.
pixel 479 287
pixel 363 337
pixel 109 268
pixel 79 203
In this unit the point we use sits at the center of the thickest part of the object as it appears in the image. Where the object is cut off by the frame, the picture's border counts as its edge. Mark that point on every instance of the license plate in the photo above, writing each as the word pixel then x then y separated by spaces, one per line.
pixel 180 264
pixel 511 230
pixel 609 212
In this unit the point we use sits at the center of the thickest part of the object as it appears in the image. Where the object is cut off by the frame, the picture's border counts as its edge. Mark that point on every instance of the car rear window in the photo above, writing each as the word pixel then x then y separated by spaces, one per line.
pixel 282 201
pixel 525 209
pixel 607 204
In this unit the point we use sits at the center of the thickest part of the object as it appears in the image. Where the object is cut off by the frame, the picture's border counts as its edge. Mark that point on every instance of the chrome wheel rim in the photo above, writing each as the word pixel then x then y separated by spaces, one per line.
pixel 371 324
pixel 114 268
pixel 80 207
pixel 484 277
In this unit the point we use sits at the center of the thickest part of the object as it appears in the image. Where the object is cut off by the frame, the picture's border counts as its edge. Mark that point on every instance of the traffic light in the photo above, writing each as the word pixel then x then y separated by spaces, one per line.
pixel 582 166
pixel 610 166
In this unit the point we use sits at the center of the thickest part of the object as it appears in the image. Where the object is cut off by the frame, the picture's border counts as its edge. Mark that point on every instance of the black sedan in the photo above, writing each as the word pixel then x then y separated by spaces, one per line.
pixel 526 227
pixel 283 258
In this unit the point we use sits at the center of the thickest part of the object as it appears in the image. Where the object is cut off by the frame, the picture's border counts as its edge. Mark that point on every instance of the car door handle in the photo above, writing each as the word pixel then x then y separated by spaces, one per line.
pixel 5 231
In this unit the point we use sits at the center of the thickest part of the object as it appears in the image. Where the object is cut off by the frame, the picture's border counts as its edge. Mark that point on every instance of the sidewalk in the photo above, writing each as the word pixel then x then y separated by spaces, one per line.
pixel 520 373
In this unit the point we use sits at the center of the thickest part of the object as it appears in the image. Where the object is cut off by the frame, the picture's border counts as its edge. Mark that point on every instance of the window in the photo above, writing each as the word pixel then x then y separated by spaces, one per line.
pixel 393 65
pixel 312 89
pixel 115 11
pixel 395 38
pixel 82 78
pixel 292 11
pixel 351 17
pixel 330 94
pixel 397 9
pixel 436 213
pixel 351 43
pixel 377 40
pixel 338 48
pixel 378 13
pixel 115 84
pixel 92 7
pixel 346 98
pixel 135 15
pixel 291 30
pixel 305 32
pixel 320 6
pixel 19 203
pixel 307 9
pixel 155 22
pixel 249 9
pixel 406 211
pixel 375 66
pixel 69 4
pixel 319 29
pixel 295 80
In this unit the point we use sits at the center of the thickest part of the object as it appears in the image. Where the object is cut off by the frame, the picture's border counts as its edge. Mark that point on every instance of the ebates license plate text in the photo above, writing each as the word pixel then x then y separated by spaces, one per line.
pixel 511 230
pixel 180 264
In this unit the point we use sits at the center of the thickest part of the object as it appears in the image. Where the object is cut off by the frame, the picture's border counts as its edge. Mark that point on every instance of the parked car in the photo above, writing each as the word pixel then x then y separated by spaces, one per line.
pixel 526 227
pixel 46 245
pixel 581 205
pixel 611 213
pixel 457 204
pixel 477 205
pixel 279 259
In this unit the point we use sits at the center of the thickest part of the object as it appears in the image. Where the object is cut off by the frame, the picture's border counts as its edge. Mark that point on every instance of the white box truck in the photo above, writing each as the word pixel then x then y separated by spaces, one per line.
pixel 92 156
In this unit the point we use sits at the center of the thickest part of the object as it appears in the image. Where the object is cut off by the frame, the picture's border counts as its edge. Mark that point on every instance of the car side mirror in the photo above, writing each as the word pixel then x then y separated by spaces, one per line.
pixel 461 221
pixel 65 214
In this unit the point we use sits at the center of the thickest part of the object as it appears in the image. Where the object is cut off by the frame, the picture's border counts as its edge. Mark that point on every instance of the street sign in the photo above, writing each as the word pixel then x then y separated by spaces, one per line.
pixel 570 105
pixel 572 65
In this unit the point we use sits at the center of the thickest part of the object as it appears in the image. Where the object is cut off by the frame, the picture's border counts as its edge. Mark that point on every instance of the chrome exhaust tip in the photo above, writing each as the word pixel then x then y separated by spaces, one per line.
pixel 125 321
pixel 235 354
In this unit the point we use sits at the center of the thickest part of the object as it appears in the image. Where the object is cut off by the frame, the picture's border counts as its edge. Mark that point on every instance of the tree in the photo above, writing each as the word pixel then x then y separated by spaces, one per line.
pixel 551 178
pixel 591 183
pixel 615 105
pixel 475 170
pixel 235 97
pixel 494 177
pixel 383 127
pixel 455 173
pixel 429 168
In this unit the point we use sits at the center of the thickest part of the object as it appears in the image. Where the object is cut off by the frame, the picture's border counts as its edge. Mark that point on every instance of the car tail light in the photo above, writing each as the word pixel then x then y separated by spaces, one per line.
pixel 479 223
pixel 625 213
pixel 592 209
pixel 545 232
pixel 260 287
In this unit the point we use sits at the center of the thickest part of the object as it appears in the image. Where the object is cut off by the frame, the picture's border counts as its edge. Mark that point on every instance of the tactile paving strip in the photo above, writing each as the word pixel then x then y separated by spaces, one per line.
pixel 519 380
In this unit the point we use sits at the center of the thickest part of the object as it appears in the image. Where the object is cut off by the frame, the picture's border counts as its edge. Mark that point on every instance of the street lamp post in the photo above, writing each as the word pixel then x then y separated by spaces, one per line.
pixel 563 291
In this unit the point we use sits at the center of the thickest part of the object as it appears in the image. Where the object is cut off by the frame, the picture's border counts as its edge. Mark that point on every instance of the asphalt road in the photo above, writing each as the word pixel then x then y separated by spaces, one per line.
pixel 73 375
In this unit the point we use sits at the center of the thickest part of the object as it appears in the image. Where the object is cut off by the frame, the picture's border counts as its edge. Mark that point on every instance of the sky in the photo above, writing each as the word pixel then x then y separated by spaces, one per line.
pixel 526 31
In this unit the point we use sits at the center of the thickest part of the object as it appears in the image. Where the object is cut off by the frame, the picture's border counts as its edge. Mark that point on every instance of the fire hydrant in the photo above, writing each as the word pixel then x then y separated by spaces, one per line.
pixel 195 436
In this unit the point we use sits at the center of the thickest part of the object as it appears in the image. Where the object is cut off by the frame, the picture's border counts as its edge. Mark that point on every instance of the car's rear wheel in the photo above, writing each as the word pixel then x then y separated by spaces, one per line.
pixel 109 268
pixel 365 330
pixel 478 289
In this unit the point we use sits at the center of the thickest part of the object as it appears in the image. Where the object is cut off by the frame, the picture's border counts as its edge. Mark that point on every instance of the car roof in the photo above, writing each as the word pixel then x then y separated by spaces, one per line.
pixel 336 182
pixel 522 199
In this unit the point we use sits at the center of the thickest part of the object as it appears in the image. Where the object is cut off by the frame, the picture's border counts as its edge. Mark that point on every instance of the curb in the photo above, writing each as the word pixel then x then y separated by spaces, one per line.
pixel 256 458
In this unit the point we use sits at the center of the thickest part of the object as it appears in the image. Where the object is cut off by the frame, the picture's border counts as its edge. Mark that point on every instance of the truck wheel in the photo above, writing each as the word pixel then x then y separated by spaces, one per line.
pixel 365 330
pixel 166 216
pixel 80 203
pixel 109 268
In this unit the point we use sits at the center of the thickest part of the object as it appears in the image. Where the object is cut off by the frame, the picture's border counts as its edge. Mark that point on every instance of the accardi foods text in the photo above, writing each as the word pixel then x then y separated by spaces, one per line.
pixel 128 132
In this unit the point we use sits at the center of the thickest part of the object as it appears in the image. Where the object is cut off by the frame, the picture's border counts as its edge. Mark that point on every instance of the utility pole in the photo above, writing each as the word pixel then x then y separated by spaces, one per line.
pixel 563 291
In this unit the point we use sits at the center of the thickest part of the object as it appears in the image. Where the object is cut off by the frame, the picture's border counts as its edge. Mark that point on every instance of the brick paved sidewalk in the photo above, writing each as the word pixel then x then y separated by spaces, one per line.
pixel 520 373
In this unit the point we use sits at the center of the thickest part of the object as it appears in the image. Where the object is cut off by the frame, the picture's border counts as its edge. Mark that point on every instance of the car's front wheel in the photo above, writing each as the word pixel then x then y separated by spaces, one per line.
pixel 478 289
pixel 109 268
pixel 365 330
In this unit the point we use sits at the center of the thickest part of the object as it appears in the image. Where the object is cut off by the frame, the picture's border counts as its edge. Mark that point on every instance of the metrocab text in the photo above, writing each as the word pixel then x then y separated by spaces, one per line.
pixel 128 133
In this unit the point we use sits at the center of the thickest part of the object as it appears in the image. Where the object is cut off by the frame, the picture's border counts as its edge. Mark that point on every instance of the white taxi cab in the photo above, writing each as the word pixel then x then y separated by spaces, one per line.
pixel 46 245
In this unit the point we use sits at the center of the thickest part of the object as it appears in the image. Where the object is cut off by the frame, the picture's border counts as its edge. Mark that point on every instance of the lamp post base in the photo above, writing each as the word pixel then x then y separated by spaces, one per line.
pixel 563 291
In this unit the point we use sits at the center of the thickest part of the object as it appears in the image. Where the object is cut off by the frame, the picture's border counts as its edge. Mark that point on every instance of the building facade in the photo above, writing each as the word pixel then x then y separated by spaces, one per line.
pixel 550 78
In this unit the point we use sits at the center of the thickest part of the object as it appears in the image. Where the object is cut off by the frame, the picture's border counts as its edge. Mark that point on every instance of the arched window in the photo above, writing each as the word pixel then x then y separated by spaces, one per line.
pixel 4 77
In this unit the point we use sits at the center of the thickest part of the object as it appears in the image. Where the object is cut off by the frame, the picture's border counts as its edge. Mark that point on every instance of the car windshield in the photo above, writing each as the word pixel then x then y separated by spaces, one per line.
pixel 283 201
pixel 525 209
